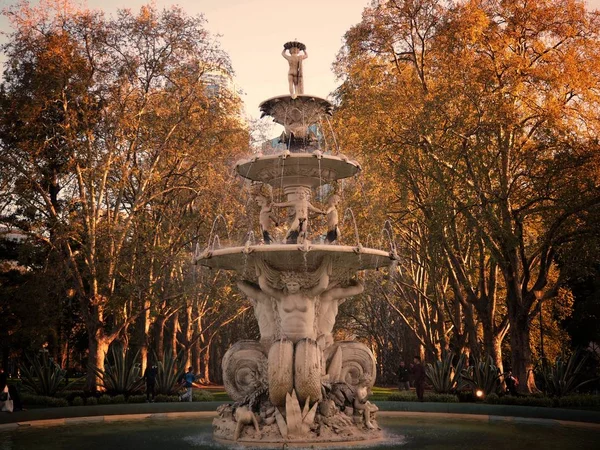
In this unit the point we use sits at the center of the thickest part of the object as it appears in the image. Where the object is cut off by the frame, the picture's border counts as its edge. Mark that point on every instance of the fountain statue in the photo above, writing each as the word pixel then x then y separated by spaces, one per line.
pixel 297 386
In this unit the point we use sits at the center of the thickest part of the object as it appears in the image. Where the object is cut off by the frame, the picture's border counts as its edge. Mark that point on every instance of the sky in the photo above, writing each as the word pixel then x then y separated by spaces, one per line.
pixel 253 33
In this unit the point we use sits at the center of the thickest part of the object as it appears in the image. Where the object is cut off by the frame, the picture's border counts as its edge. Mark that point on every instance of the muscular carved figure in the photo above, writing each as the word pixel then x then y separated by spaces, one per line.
pixel 297 231
pixel 263 311
pixel 333 231
pixel 295 360
pixel 329 302
pixel 265 218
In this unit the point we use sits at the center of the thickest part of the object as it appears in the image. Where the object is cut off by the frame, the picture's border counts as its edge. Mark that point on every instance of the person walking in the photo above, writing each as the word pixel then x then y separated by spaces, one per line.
pixel 511 383
pixel 403 377
pixel 150 375
pixel 188 382
pixel 418 372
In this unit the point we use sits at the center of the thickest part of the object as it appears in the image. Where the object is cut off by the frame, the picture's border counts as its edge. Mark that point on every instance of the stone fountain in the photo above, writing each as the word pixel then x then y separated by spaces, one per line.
pixel 297 386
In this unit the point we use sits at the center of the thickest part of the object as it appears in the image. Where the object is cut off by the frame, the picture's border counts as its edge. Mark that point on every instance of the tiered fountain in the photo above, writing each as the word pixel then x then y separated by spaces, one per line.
pixel 297 386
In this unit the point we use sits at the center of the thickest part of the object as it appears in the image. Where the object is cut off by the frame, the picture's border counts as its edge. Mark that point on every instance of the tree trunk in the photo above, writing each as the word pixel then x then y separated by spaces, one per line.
pixel 174 330
pixel 143 327
pixel 522 365
pixel 196 356
pixel 496 352
pixel 159 335
pixel 492 342
pixel 206 364
pixel 187 335
pixel 98 347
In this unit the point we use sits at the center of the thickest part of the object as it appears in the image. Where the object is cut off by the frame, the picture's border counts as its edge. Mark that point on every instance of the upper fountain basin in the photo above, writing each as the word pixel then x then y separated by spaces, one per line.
pixel 297 169
pixel 295 257
pixel 307 109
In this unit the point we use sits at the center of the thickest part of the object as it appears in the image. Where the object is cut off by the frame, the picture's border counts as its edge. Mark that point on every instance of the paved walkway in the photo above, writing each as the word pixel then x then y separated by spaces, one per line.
pixel 99 413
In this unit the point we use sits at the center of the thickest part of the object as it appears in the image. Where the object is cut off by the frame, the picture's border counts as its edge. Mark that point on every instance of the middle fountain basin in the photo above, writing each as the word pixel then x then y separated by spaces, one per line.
pixel 299 258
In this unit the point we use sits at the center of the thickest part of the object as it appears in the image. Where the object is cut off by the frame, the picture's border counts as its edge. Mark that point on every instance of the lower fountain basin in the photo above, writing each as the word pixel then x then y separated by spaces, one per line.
pixel 299 258
pixel 406 431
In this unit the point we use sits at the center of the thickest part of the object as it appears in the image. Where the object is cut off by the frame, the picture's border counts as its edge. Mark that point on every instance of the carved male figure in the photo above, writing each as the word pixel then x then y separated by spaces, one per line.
pixel 297 231
pixel 263 311
pixel 295 77
pixel 265 218
pixel 329 302
pixel 294 360
pixel 333 232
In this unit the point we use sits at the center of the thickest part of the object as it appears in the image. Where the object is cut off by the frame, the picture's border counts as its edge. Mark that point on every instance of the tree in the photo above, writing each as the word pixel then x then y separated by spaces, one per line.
pixel 100 118
pixel 495 100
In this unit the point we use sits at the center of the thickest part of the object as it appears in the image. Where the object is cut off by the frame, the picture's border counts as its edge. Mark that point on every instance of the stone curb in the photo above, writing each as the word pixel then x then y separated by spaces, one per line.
pixel 110 413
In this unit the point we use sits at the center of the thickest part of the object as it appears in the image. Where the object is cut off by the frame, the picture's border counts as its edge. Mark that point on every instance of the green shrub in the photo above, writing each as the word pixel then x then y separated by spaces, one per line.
pixel 136 399
pixel 121 373
pixel 166 398
pixel 91 401
pixel 440 398
pixel 445 377
pixel 42 376
pixel 492 399
pixel 586 400
pixel 105 400
pixel 70 395
pixel 78 401
pixel 118 399
pixel 43 400
pixel 170 370
pixel 565 377
pixel 410 396
pixel 483 375
pixel 403 396
pixel 203 396
pixel 526 401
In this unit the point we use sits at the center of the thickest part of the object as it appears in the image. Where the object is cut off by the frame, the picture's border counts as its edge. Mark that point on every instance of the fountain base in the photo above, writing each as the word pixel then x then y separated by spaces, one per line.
pixel 322 436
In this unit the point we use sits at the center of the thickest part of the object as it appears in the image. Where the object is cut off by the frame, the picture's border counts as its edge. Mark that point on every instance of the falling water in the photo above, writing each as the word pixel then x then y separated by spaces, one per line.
pixel 210 235
pixel 349 210
pixel 369 242
pixel 216 243
pixel 322 134
pixel 333 134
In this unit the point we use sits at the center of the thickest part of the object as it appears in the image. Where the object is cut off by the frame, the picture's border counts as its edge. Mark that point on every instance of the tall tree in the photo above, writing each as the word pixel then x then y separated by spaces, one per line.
pixel 498 99
pixel 100 118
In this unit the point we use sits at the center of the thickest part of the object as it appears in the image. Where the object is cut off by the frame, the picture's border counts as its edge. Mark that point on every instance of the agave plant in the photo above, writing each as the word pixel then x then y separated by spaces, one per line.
pixel 445 377
pixel 483 375
pixel 170 371
pixel 565 377
pixel 42 376
pixel 121 374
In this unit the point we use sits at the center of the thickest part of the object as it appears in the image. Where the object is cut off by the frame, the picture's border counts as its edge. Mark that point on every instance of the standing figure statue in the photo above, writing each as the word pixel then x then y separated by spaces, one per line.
pixel 265 218
pixel 294 59
pixel 333 231
pixel 296 234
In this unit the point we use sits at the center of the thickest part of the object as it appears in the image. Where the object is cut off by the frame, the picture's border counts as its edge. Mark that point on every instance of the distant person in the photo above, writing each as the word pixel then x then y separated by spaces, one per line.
pixel 418 372
pixel 11 391
pixel 3 379
pixel 150 375
pixel 511 383
pixel 188 382
pixel 403 377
